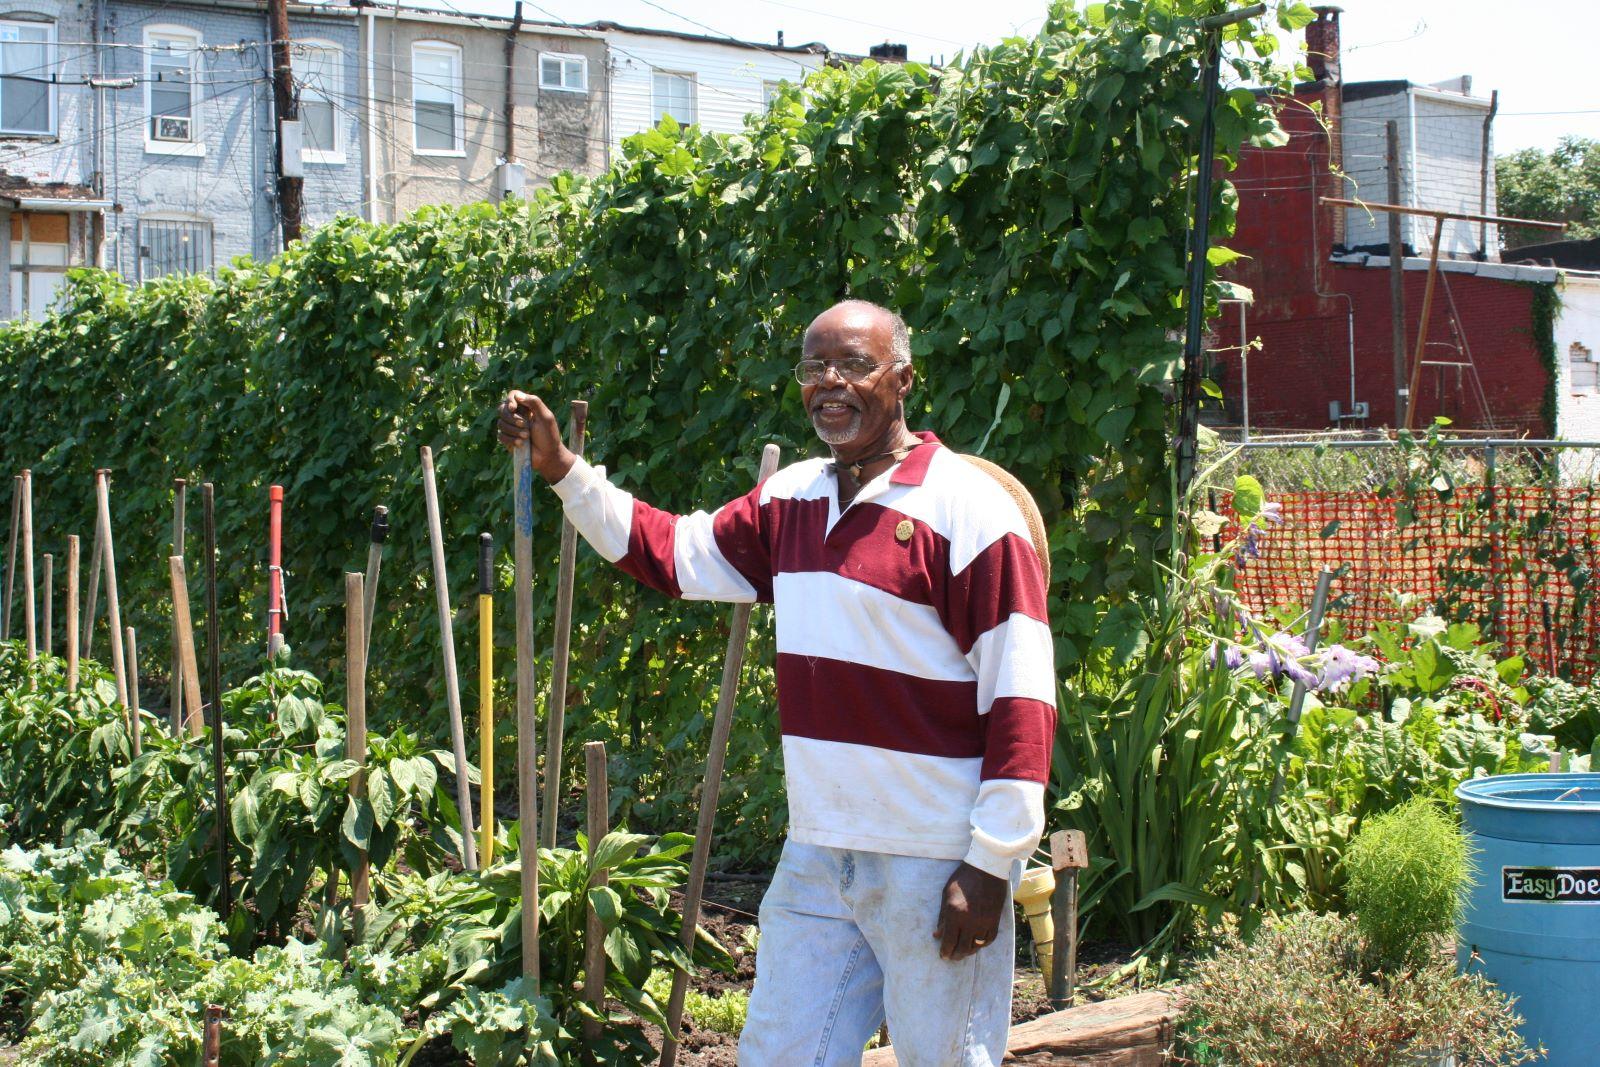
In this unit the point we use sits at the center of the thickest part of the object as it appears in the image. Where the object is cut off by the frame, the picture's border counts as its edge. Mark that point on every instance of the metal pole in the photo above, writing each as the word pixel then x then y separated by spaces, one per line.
pixel 214 684
pixel 1397 279
pixel 1244 365
pixel 452 684
pixel 355 659
pixel 1483 173
pixel 716 754
pixel 109 563
pixel 527 725
pixel 1490 499
pixel 557 704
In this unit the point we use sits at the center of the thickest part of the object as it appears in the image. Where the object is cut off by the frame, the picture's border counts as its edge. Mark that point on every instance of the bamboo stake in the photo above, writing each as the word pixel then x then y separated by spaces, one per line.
pixel 183 626
pixel 594 949
pixel 355 659
pixel 556 727
pixel 214 683
pixel 135 736
pixel 721 726
pixel 452 683
pixel 48 629
pixel 102 488
pixel 527 739
pixel 380 531
pixel 72 613
pixel 486 696
pixel 11 553
pixel 29 629
pixel 175 688
pixel 96 557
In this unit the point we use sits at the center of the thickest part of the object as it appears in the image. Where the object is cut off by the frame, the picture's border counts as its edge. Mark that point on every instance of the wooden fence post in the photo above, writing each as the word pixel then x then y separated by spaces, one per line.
pixel 136 729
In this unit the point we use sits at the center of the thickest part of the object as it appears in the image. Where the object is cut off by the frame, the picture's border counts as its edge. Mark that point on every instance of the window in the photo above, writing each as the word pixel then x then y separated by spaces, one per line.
pixel 38 261
pixel 436 97
pixel 319 73
pixel 1585 372
pixel 173 246
pixel 171 69
pixel 567 73
pixel 27 60
pixel 675 96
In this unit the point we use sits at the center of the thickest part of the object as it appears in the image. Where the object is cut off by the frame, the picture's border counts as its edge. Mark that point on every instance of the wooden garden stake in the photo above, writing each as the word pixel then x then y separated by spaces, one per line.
pixel 380 531
pixel 452 684
pixel 486 697
pixel 135 734
pixel 594 934
pixel 72 613
pixel 175 699
pixel 212 1049
pixel 11 552
pixel 29 630
pixel 102 488
pixel 96 557
pixel 355 660
pixel 721 726
pixel 49 603
pixel 527 739
pixel 1069 854
pixel 183 627
pixel 557 704
pixel 214 683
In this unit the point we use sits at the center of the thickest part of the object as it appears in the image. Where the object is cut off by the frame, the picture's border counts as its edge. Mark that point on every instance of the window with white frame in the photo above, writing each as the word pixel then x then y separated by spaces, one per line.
pixel 171 68
pixel 38 261
pixel 173 246
pixel 27 61
pixel 674 94
pixel 568 73
pixel 1584 371
pixel 319 73
pixel 436 98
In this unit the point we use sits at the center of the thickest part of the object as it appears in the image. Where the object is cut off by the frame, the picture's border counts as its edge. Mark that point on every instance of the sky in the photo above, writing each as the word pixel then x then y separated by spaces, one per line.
pixel 1538 53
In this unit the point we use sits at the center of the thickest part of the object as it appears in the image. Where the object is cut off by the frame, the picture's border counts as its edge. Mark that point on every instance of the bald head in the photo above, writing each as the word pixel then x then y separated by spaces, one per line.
pixel 875 319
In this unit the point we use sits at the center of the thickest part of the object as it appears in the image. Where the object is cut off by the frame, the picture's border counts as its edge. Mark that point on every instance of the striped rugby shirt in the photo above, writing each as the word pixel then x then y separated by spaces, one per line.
pixel 916 680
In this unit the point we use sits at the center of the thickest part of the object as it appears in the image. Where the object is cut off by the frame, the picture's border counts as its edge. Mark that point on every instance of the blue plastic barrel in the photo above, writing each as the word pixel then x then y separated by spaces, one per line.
pixel 1532 921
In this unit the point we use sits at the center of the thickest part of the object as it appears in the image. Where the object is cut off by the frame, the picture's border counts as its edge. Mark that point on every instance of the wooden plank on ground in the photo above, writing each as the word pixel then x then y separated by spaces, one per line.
pixel 1132 1031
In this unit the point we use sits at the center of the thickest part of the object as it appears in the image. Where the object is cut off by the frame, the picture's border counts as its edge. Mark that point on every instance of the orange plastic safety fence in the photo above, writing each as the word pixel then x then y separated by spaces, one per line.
pixel 1517 560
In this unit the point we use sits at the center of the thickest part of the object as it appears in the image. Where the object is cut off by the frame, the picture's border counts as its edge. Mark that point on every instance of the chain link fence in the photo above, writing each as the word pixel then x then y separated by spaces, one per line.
pixel 1504 533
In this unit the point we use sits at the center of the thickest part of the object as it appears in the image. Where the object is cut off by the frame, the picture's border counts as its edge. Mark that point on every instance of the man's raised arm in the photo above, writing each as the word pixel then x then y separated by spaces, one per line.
pixel 703 556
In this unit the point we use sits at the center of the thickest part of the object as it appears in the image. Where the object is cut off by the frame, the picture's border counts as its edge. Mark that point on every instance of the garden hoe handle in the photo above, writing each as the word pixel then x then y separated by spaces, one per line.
pixel 355 660
pixel 721 726
pixel 29 628
pixel 556 727
pixel 72 613
pixel 527 739
pixel 380 533
pixel 486 697
pixel 452 683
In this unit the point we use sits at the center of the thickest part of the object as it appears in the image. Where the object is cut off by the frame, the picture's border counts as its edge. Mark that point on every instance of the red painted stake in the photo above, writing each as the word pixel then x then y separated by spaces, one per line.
pixel 274 569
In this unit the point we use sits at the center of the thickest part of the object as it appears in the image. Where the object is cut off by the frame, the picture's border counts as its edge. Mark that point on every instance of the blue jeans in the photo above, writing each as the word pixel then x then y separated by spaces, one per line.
pixel 847 938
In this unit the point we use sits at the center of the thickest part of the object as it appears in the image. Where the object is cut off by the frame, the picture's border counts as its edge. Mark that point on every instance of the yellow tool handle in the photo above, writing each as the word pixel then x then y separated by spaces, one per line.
pixel 486 726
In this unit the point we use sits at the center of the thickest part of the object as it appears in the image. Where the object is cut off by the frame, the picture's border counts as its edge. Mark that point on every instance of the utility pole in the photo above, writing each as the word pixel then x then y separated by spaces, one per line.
pixel 283 102
pixel 1397 280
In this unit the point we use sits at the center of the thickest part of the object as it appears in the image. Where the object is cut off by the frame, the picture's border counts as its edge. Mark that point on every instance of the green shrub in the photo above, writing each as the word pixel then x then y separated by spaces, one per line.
pixel 1296 995
pixel 1406 871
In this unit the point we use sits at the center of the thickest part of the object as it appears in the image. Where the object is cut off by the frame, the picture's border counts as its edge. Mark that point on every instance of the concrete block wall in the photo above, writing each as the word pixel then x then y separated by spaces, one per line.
pixel 228 181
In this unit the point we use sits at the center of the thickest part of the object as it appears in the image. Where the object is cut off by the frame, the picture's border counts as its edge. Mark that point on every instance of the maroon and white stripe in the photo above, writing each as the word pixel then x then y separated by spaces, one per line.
pixel 916 684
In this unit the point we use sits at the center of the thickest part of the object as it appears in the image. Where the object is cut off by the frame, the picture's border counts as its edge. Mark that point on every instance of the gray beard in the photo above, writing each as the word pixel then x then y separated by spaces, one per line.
pixel 834 438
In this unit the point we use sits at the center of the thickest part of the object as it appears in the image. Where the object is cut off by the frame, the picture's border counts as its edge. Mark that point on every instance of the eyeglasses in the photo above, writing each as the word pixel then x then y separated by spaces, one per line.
pixel 853 369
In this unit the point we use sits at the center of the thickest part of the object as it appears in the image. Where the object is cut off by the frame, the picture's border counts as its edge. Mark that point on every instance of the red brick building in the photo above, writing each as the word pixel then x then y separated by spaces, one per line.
pixel 1321 352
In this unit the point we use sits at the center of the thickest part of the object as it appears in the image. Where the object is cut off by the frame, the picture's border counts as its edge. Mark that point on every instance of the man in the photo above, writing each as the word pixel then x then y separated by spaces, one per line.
pixel 916 696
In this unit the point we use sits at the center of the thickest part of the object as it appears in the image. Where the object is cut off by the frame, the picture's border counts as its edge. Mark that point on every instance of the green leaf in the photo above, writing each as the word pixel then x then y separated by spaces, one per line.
pixel 381 796
pixel 357 823
pixel 1248 496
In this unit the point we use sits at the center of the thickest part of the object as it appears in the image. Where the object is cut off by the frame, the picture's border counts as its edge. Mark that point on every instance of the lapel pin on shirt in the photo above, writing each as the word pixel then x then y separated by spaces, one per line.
pixel 903 531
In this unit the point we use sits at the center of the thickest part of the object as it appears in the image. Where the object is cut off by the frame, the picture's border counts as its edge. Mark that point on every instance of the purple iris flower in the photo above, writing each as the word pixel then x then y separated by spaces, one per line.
pixel 1342 666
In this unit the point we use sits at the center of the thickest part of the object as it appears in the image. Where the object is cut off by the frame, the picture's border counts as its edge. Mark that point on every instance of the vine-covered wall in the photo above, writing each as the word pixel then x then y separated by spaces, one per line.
pixel 1025 209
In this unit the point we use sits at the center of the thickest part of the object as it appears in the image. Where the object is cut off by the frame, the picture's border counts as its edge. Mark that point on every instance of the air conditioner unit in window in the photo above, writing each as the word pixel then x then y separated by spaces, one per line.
pixel 173 128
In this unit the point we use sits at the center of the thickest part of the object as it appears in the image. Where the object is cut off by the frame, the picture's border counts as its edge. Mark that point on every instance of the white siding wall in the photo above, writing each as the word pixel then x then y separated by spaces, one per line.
pixel 1441 146
pixel 1578 402
pixel 728 79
